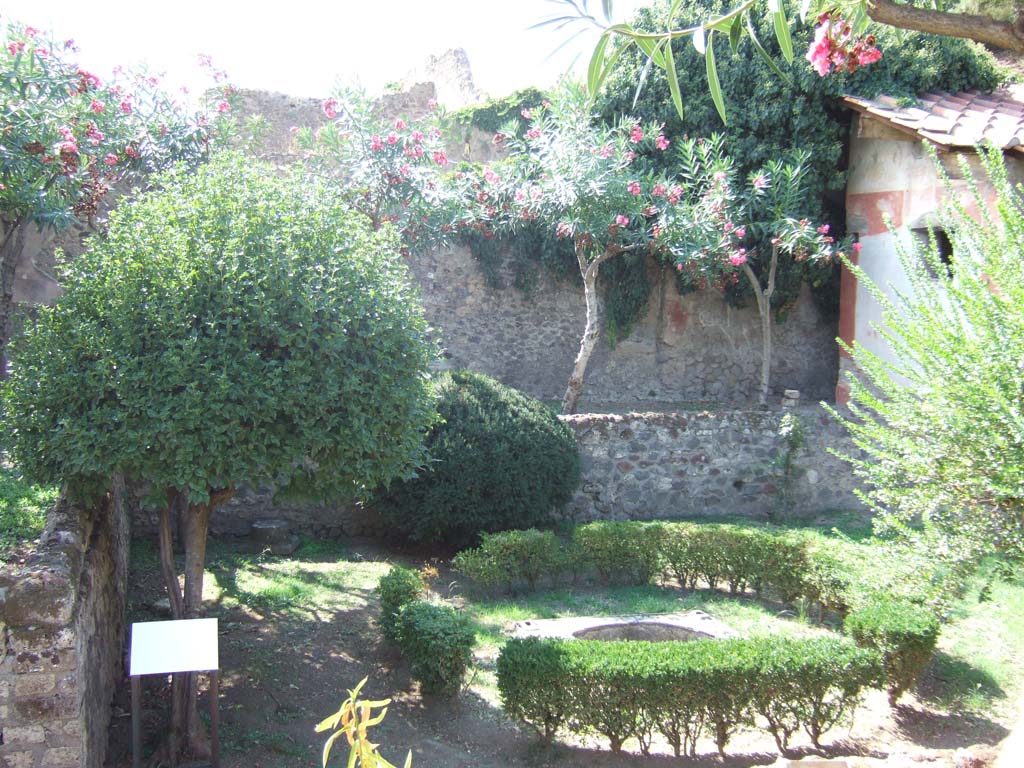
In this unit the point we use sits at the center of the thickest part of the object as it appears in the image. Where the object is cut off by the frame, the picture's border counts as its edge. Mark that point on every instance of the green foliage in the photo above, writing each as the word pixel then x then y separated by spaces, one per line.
pixel 499 460
pixel 905 634
pixel 233 327
pixel 768 115
pixel 495 114
pixel 437 641
pixel 625 552
pixel 504 557
pixel 396 589
pixel 683 691
pixel 23 509
pixel 941 426
pixel 533 251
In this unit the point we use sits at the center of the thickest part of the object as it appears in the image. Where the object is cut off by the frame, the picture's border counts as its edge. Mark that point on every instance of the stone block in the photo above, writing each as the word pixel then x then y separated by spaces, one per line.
pixel 19 759
pixel 33 685
pixel 60 757
pixel 24 734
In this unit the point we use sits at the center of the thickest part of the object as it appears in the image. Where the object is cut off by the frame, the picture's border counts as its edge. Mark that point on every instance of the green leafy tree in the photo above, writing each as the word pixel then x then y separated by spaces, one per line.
pixel 941 422
pixel 68 138
pixel 232 327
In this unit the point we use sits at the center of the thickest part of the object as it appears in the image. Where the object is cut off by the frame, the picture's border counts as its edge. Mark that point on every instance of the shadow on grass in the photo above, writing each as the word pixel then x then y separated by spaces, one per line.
pixel 937 730
pixel 953 684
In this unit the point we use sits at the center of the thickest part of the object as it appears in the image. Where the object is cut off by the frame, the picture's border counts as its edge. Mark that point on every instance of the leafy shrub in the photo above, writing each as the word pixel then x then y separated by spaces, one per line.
pixel 437 641
pixel 502 557
pixel 499 460
pixel 905 634
pixel 620 551
pixel 811 684
pixel 396 589
pixel 23 509
pixel 741 557
pixel 683 690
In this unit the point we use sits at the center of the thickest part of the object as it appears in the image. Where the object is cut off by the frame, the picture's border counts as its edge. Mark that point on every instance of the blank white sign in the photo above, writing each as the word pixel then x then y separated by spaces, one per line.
pixel 162 647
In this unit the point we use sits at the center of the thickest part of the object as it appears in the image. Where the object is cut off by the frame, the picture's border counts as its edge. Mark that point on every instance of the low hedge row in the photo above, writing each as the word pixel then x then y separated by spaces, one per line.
pixel 436 640
pixel 683 691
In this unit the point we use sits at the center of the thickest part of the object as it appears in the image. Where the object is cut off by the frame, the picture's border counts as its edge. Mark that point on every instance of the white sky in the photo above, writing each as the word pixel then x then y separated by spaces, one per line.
pixel 302 47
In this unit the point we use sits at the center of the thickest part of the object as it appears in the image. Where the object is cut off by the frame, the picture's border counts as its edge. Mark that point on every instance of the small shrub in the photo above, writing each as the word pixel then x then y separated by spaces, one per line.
pixel 499 460
pixel 684 690
pixel 628 552
pixel 501 557
pixel 904 633
pixel 437 641
pixel 396 589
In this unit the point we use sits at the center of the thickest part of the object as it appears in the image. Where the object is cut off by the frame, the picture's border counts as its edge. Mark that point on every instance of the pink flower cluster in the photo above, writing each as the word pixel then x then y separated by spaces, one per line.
pixel 834 47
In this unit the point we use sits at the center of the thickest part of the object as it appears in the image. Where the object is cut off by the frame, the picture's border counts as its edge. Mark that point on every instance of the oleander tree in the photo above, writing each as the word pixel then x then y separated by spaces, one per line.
pixel 232 326
pixel 589 184
pixel 69 137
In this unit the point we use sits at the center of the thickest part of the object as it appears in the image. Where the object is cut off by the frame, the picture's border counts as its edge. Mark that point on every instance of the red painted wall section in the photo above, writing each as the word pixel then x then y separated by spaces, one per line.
pixel 873 207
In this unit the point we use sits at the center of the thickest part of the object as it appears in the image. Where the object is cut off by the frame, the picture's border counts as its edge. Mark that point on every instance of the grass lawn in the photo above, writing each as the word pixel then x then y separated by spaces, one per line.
pixel 297 631
pixel 22 510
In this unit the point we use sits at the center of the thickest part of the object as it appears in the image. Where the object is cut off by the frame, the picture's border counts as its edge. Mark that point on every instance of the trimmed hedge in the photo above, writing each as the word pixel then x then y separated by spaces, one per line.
pixel 626 552
pixel 684 691
pixel 396 589
pixel 437 641
pixel 503 557
pixel 904 633
pixel 499 460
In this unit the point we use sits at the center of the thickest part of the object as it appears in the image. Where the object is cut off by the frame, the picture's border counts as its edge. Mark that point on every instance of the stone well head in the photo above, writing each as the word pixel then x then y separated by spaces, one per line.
pixel 659 627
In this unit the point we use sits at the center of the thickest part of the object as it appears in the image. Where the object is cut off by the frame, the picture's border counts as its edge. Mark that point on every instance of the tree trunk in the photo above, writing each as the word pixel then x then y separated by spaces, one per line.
pixel 10 252
pixel 592 332
pixel 764 309
pixel 187 736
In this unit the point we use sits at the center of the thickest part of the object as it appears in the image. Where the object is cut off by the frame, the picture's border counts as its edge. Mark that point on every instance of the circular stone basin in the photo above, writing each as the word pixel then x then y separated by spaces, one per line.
pixel 641 630
pixel 691 625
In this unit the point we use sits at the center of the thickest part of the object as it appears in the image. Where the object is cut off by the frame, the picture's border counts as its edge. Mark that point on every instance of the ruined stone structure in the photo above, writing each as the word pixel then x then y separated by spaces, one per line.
pixel 61 634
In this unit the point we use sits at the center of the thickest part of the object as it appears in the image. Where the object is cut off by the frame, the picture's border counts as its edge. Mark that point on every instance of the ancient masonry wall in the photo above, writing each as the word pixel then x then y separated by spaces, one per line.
pixel 61 634
pixel 640 466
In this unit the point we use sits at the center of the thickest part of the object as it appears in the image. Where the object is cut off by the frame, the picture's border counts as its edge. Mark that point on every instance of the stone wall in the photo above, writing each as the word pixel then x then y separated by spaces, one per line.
pixel 686 348
pixel 61 634
pixel 708 464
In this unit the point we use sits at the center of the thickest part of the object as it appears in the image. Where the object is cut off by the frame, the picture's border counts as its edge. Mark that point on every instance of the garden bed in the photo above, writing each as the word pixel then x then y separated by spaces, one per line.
pixel 297 631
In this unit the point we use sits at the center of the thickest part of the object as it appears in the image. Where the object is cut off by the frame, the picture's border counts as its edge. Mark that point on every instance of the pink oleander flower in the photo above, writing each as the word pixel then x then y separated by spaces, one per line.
pixel 759 182
pixel 622 221
pixel 431 104
pixel 563 230
pixel 823 229
pixel 728 227
pixel 740 232
pixel 223 106
pixel 110 159
pixel 606 151
pixel 491 177
pixel 66 133
pixel 416 135
pixel 533 133
pixel 636 133
pixel 856 248
pixel 633 187
pixel 126 106
pixel 674 193
pixel 376 143
pixel 661 142
pixel 738 258
pixel 392 138
pixel 132 152
pixel 97 106
pixel 658 190
pixel 66 147
pixel 526 113
pixel 330 107
pixel 403 171
pixel 15 48
pixel 440 157
pixel 400 124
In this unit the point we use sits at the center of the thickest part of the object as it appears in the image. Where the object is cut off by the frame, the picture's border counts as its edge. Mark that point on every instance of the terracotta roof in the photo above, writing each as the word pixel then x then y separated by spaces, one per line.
pixel 962 119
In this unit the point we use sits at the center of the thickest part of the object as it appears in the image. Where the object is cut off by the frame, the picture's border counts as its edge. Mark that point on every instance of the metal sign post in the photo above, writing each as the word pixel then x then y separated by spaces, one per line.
pixel 169 647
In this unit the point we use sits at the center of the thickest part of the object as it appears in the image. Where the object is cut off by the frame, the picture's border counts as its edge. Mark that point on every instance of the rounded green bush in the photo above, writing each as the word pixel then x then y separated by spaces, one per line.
pixel 396 589
pixel 499 460
pixel 437 641
pixel 904 633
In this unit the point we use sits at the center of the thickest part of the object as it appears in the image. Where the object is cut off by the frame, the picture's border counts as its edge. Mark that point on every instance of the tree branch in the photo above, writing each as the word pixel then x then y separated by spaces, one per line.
pixel 983 29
